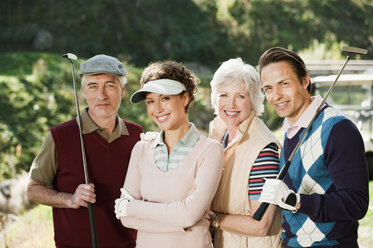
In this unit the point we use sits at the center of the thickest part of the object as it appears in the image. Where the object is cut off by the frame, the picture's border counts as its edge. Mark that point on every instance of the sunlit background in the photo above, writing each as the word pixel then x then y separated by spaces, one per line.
pixel 36 82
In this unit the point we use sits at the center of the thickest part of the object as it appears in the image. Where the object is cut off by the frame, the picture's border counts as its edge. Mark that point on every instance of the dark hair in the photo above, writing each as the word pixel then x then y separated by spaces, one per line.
pixel 171 70
pixel 278 54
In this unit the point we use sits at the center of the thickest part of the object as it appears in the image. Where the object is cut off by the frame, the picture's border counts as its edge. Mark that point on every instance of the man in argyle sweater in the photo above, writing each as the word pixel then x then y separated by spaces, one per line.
pixel 328 176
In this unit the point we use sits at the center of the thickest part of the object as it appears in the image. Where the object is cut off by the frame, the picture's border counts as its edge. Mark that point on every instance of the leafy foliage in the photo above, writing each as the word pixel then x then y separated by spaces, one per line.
pixel 204 31
pixel 35 87
pixel 30 105
pixel 42 96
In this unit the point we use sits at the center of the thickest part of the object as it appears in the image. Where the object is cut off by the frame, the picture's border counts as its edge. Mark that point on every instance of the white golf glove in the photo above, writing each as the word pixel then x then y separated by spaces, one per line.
pixel 149 136
pixel 126 194
pixel 120 207
pixel 276 192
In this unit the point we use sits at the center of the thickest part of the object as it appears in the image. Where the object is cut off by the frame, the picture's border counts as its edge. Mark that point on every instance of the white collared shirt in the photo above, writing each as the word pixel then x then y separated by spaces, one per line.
pixel 181 149
pixel 304 119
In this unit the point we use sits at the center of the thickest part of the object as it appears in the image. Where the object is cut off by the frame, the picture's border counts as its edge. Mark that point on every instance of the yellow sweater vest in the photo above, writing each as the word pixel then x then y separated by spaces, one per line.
pixel 232 194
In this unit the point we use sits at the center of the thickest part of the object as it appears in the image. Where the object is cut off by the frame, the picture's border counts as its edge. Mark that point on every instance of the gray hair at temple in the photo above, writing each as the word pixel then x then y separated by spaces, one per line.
pixel 234 72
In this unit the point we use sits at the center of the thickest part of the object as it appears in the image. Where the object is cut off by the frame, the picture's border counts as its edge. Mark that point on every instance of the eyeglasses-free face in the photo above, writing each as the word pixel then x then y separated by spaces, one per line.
pixel 284 91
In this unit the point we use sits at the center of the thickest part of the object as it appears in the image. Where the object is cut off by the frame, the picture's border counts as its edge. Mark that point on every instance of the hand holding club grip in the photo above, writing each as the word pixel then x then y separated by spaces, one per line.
pixel 258 215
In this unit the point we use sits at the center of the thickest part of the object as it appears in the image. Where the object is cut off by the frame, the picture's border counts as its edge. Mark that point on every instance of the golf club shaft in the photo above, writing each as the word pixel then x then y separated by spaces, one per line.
pixel 90 207
pixel 80 127
pixel 258 215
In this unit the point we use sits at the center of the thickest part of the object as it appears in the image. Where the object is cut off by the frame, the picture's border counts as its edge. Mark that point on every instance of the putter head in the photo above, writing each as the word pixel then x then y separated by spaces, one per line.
pixel 70 56
pixel 354 50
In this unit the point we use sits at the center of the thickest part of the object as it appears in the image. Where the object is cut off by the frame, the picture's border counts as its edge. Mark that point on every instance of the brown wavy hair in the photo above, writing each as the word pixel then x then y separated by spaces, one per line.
pixel 171 70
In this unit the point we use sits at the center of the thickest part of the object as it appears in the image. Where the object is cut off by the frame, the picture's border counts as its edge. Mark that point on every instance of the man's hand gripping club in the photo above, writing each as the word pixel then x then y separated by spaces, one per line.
pixel 276 192
pixel 84 193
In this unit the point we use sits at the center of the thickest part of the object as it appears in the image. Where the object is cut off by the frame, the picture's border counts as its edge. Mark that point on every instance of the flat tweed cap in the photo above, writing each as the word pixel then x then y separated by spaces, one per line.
pixel 102 64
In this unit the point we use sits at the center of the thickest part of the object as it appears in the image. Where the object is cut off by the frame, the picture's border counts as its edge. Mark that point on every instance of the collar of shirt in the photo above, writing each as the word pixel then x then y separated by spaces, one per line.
pixel 304 120
pixel 189 140
pixel 89 126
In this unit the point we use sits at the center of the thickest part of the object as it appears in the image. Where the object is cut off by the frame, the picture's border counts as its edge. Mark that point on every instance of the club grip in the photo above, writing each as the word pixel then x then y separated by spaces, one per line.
pixel 93 225
pixel 258 215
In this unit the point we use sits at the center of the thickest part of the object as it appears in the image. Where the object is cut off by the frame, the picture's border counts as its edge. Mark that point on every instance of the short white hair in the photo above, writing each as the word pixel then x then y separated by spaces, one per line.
pixel 234 72
pixel 122 80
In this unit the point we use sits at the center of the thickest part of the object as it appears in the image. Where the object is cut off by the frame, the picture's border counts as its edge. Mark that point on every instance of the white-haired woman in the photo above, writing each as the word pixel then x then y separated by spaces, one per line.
pixel 251 153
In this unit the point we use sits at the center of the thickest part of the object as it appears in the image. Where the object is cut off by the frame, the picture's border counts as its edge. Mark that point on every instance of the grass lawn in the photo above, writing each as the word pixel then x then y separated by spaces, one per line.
pixel 35 228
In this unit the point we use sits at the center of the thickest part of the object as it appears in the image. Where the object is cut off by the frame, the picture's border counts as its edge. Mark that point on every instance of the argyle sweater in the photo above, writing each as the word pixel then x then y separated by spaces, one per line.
pixel 330 173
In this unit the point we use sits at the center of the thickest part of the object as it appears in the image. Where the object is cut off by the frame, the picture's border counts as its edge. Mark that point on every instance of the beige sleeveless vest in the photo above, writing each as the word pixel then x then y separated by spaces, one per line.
pixel 232 194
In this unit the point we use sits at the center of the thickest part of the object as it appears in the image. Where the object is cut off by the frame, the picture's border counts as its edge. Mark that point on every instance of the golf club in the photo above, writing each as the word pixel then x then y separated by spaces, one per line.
pixel 258 215
pixel 72 57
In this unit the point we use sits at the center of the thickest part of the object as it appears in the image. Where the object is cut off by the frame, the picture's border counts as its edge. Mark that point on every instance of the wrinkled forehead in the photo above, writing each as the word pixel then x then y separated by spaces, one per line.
pixel 99 78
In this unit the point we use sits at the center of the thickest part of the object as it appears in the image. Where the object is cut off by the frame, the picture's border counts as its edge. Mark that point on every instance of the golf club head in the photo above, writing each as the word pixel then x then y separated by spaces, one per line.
pixel 70 56
pixel 354 50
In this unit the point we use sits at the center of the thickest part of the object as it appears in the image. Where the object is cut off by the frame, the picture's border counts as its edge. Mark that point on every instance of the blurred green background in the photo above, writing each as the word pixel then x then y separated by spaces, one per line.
pixel 36 84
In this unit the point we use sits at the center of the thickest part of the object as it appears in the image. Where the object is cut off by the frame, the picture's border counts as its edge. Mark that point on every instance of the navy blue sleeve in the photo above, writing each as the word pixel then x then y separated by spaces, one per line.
pixel 348 196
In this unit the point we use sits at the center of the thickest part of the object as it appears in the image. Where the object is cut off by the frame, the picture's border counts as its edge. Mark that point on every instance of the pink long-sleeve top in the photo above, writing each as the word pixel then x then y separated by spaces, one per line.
pixel 172 207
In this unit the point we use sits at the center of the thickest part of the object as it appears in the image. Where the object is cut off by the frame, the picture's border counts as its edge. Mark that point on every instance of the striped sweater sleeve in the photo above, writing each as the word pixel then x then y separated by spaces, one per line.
pixel 265 166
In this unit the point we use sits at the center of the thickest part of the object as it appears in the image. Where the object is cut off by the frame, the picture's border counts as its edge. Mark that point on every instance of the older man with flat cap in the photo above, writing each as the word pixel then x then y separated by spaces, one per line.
pixel 57 176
